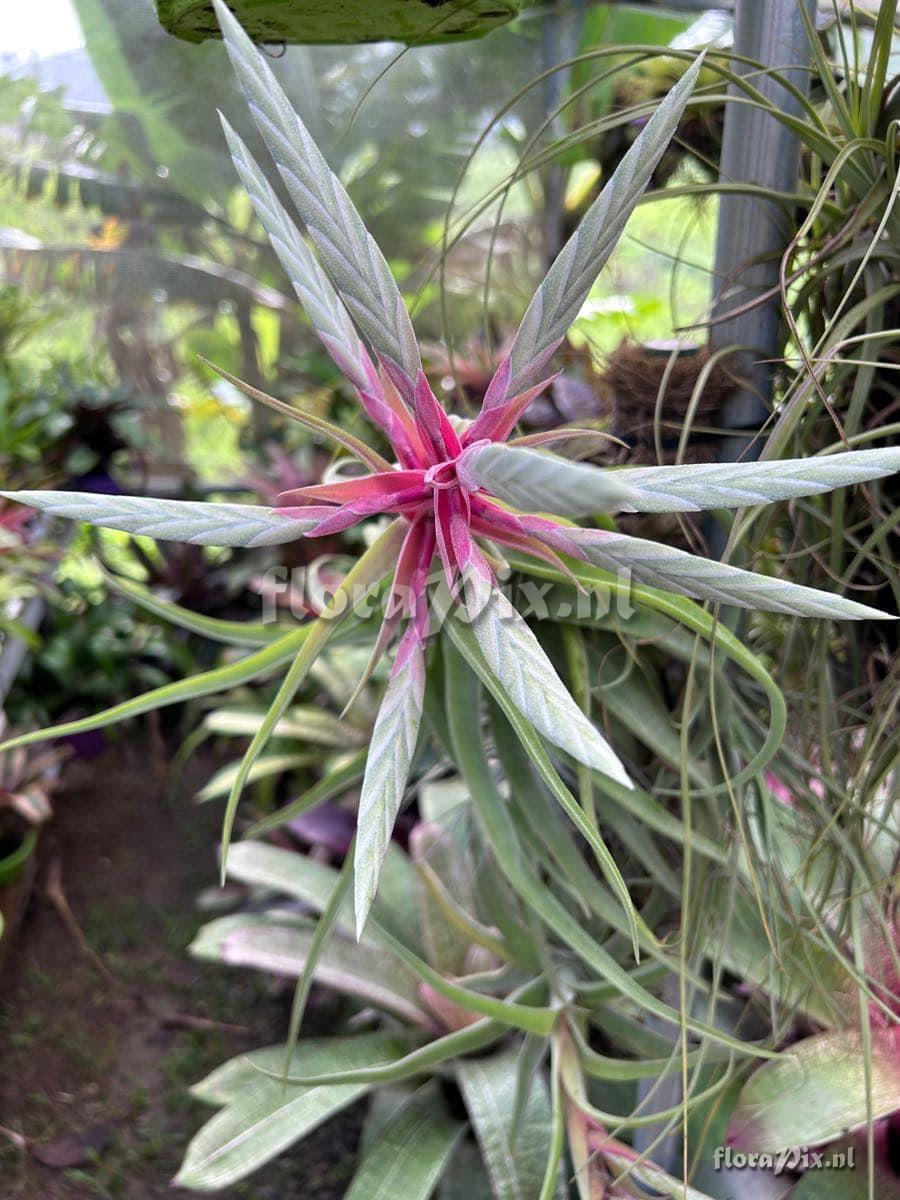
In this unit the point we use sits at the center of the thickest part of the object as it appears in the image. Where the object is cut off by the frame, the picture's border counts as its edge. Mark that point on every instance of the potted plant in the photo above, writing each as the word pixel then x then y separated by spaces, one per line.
pixel 26 784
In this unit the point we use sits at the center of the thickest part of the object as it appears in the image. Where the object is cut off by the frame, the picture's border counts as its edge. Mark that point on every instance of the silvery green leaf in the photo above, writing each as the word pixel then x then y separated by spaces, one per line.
pixel 387 770
pixel 821 1088
pixel 198 522
pixel 313 287
pixel 277 944
pixel 539 481
pixel 263 1117
pixel 304 722
pixel 519 662
pixel 674 570
pixel 733 485
pixel 264 768
pixel 410 1153
pixel 515 1159
pixel 313 1056
pixel 346 248
pixel 564 290
pixel 536 481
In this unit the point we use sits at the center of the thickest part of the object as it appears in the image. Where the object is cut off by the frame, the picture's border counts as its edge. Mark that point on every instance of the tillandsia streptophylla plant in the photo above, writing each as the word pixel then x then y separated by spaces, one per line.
pixel 454 487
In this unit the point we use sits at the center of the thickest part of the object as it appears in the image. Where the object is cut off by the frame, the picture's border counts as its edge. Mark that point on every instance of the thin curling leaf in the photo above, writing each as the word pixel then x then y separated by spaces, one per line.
pixel 313 287
pixel 733 485
pixel 559 298
pixel 708 579
pixel 519 662
pixel 346 248
pixel 540 482
pixel 198 522
pixel 391 752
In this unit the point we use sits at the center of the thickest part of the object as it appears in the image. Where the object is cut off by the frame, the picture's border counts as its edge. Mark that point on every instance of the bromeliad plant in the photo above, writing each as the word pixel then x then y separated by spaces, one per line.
pixel 451 487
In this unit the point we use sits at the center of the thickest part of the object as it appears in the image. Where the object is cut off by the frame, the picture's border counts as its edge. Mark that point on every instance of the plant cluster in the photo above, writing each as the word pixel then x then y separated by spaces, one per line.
pixel 531 926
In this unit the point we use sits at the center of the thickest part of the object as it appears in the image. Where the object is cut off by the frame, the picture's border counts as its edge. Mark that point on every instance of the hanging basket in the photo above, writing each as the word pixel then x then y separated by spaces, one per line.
pixel 415 22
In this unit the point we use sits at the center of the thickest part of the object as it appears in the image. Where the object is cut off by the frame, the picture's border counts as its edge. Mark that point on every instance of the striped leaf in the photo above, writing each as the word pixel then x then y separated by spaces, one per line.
pixel 326 1056
pixel 348 251
pixel 817 1092
pixel 410 1153
pixel 733 485
pixel 559 298
pixel 519 662
pixel 264 768
pixel 313 287
pixel 515 1159
pixel 200 523
pixel 539 482
pixel 708 579
pixel 387 770
pixel 262 1117
pixel 282 948
pixel 304 722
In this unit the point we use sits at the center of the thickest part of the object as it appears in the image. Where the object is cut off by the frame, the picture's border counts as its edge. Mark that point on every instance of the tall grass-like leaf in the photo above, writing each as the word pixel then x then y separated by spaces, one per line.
pixel 708 579
pixel 261 1117
pixel 538 481
pixel 515 1164
pixel 314 289
pixel 410 1154
pixel 387 769
pixel 348 251
pixel 207 683
pixel 559 298
pixel 199 522
pixel 520 663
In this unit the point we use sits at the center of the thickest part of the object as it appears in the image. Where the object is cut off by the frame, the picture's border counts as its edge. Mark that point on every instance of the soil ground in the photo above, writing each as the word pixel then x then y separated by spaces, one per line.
pixel 105 1047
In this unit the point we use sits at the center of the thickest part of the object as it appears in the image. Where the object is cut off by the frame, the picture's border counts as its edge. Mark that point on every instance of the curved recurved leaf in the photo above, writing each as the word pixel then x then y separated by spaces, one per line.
pixel 348 251
pixel 387 769
pixel 198 522
pixel 520 663
pixel 676 570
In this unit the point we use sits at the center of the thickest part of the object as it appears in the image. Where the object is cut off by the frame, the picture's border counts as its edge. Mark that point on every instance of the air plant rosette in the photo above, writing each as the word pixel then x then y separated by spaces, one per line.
pixel 463 495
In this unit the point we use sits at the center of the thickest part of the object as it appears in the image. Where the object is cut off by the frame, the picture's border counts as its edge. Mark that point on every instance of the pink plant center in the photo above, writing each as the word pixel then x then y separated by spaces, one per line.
pixel 430 488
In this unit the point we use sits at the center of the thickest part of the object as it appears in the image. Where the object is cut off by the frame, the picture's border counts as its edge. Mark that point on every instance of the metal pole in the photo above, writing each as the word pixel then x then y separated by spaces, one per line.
pixel 753 232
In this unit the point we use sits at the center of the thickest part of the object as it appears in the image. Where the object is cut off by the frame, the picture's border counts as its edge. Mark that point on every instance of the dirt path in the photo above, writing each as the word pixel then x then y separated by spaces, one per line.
pixel 108 1058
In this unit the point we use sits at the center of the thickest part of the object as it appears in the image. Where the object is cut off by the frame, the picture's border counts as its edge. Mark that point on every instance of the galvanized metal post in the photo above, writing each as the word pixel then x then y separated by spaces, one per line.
pixel 753 232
